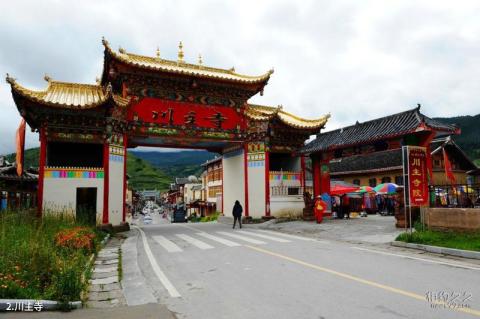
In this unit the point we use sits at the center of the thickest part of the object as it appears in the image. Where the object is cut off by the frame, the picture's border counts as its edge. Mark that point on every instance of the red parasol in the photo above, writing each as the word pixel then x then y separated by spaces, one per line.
pixel 337 189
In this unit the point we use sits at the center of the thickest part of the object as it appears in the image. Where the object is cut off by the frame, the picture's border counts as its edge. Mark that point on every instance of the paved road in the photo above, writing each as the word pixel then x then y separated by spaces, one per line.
pixel 208 270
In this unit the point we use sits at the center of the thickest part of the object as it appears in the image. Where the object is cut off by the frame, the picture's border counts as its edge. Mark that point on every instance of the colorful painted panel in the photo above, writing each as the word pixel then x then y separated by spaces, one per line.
pixel 256 154
pixel 73 173
pixel 285 176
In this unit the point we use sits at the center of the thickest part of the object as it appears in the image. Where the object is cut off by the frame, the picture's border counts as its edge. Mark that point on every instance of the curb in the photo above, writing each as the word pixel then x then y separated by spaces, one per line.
pixel 46 304
pixel 104 241
pixel 439 250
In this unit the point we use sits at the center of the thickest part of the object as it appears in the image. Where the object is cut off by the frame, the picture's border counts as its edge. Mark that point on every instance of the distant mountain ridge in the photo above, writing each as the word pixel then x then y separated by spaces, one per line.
pixel 469 140
pixel 176 164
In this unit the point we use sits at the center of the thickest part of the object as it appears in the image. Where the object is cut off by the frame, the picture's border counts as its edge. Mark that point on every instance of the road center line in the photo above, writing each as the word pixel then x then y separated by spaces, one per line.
pixel 416 258
pixel 361 280
pixel 156 268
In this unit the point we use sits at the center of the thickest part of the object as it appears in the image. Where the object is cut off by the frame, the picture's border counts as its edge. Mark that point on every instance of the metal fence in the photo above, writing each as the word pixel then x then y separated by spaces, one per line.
pixel 456 195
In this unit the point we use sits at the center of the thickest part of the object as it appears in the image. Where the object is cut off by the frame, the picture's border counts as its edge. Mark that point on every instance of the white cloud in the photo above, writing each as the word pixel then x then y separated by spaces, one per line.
pixel 355 59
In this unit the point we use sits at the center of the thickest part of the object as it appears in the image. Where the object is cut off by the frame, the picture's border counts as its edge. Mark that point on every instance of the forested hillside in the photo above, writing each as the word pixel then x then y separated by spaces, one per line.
pixel 469 140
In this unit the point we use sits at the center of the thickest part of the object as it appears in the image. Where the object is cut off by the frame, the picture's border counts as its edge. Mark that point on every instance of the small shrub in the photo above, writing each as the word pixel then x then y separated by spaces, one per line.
pixel 76 238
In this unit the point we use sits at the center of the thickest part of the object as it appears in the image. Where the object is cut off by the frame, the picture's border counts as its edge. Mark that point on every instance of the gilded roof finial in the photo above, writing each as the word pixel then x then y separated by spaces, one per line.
pixel 180 52
pixel 200 60
pixel 158 52
pixel 121 50
pixel 47 78
pixel 9 79
pixel 104 41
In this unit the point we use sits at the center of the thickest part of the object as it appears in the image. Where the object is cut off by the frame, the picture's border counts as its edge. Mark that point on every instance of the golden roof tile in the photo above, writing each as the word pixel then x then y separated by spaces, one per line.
pixel 181 67
pixel 68 95
pixel 263 113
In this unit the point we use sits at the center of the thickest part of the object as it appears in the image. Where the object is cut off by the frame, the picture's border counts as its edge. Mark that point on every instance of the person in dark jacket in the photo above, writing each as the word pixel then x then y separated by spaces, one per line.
pixel 237 214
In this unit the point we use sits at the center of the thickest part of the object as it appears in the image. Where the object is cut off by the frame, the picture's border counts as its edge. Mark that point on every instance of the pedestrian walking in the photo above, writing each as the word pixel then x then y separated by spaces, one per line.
pixel 237 214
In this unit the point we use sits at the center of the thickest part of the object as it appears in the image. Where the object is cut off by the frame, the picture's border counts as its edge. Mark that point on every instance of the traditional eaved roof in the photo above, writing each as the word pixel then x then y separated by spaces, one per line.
pixel 9 172
pixel 372 162
pixel 213 160
pixel 392 159
pixel 265 113
pixel 452 149
pixel 386 127
pixel 68 95
pixel 183 68
pixel 181 180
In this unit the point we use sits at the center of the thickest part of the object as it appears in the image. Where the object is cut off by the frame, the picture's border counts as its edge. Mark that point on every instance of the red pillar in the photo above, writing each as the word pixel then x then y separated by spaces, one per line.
pixel 324 178
pixel 206 195
pixel 106 159
pixel 245 174
pixel 316 176
pixel 321 176
pixel 267 182
pixel 124 176
pixel 302 173
pixel 41 171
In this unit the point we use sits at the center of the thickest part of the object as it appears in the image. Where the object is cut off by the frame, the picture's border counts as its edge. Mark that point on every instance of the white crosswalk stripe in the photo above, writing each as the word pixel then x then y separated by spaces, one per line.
pixel 169 246
pixel 197 243
pixel 226 242
pixel 285 235
pixel 244 238
pixel 279 240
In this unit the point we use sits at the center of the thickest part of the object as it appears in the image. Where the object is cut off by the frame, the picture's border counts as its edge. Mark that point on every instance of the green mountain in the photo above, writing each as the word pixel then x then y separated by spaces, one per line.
pixel 31 157
pixel 176 164
pixel 469 140
pixel 142 174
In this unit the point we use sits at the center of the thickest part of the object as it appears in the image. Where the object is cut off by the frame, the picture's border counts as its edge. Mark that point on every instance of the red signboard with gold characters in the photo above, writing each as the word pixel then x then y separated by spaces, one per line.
pixel 417 176
pixel 173 113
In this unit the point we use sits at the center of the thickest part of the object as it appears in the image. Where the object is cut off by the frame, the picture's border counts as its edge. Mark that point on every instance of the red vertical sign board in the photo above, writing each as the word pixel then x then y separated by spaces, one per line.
pixel 417 176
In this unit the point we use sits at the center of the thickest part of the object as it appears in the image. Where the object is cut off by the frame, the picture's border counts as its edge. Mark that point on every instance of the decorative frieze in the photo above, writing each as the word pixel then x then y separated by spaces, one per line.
pixel 73 172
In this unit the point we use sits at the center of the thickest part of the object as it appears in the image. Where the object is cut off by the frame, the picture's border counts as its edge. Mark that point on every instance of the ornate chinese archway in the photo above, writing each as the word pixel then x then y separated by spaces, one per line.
pixel 151 101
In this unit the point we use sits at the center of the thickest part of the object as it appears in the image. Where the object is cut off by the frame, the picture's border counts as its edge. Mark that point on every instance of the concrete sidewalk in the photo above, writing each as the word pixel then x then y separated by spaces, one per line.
pixel 148 311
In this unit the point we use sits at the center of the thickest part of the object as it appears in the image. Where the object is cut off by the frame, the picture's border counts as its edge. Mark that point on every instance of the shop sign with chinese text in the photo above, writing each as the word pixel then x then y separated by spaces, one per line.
pixel 417 175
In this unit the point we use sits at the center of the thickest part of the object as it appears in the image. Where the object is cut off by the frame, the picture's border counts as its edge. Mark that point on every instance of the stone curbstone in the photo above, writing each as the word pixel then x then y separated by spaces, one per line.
pixel 439 250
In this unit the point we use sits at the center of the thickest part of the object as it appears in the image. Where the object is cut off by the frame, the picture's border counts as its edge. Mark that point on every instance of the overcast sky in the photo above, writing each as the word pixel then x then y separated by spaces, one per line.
pixel 356 59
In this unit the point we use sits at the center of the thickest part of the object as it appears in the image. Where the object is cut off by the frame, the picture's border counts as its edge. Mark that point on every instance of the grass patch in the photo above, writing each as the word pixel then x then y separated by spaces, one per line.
pixel 449 239
pixel 44 258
